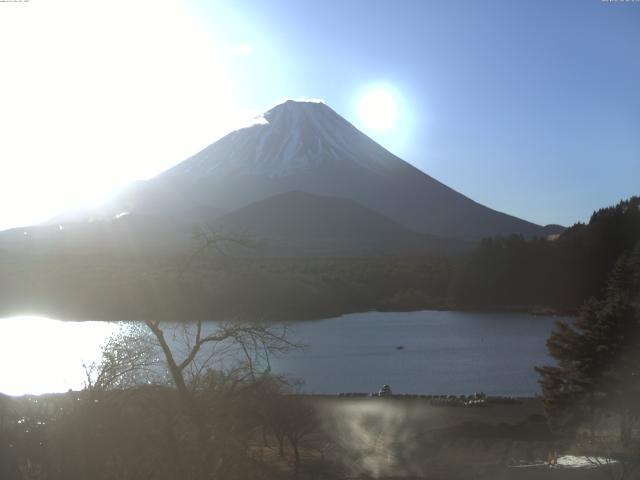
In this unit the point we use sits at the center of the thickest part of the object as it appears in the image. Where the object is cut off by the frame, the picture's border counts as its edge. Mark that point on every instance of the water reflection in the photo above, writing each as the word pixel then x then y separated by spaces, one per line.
pixel 40 355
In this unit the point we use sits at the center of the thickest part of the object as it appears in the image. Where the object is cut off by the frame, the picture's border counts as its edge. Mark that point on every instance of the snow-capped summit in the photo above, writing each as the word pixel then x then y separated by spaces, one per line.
pixel 293 136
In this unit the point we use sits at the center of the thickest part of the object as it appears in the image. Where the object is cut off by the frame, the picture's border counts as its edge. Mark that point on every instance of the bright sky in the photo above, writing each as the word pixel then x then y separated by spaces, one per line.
pixel 532 109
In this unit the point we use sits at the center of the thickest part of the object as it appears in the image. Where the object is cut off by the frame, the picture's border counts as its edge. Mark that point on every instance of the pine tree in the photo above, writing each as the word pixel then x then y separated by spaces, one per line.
pixel 622 380
pixel 598 356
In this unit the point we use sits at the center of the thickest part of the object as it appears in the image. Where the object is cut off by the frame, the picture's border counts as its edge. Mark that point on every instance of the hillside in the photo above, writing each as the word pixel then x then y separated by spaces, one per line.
pixel 302 223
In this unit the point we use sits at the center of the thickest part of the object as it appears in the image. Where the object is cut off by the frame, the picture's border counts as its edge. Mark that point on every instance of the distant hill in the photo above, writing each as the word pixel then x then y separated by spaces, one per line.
pixel 292 223
pixel 299 222
pixel 127 233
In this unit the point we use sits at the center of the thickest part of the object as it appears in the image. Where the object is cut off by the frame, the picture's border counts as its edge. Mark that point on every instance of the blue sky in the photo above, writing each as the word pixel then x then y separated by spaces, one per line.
pixel 529 107
pixel 532 107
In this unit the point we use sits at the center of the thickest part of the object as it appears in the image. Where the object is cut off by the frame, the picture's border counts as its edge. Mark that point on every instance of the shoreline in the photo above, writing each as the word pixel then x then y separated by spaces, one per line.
pixel 520 310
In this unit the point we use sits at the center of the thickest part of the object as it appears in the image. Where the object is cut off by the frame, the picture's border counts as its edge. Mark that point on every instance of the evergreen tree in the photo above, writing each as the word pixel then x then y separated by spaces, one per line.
pixel 622 380
pixel 598 356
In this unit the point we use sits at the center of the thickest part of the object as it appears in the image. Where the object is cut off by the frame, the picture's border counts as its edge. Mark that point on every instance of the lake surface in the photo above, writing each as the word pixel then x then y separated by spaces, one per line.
pixel 442 352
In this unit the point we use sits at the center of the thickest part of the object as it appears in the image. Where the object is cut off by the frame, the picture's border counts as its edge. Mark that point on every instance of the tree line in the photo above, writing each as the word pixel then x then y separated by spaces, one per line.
pixel 506 273
pixel 559 273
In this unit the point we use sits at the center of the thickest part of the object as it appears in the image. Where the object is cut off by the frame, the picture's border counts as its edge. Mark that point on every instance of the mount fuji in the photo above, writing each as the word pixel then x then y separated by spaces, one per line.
pixel 305 146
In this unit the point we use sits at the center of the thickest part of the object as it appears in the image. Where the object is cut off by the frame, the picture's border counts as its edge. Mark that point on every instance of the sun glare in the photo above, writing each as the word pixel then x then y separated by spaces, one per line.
pixel 97 94
pixel 378 109
pixel 56 351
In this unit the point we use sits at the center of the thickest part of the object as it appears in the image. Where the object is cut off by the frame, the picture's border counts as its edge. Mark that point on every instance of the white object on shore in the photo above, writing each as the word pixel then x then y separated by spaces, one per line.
pixel 573 461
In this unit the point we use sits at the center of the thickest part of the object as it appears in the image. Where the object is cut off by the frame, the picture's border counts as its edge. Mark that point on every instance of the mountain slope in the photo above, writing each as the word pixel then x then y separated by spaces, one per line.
pixel 306 146
pixel 127 234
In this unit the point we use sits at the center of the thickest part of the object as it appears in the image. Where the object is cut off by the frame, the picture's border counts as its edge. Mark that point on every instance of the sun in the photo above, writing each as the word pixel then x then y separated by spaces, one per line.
pixel 378 109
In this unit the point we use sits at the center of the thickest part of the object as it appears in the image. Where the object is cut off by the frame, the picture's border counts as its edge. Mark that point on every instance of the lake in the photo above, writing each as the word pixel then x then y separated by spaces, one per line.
pixel 415 352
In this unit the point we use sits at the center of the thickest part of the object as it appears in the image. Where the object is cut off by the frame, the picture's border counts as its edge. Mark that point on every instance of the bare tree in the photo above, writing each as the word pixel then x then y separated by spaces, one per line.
pixel 301 423
pixel 616 458
pixel 289 417
pixel 252 343
pixel 615 463
pixel 200 430
pixel 191 349
pixel 129 358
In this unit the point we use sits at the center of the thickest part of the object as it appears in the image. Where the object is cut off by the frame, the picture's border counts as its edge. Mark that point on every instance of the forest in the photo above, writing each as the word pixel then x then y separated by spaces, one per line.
pixel 557 274
pixel 540 275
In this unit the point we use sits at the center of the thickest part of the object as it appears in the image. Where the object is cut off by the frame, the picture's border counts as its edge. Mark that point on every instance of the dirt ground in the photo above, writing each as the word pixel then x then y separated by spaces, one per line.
pixel 413 438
